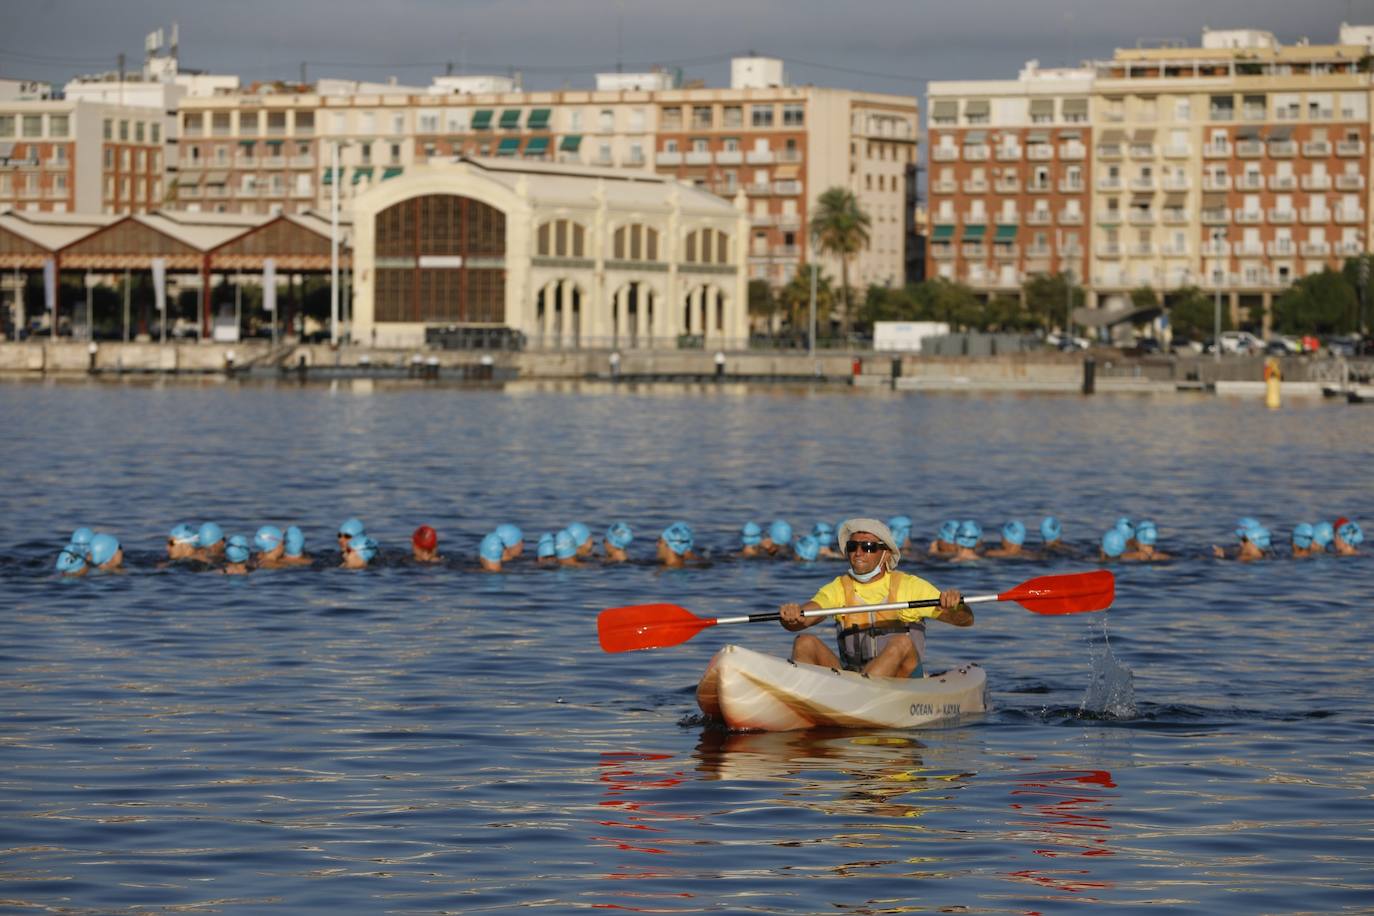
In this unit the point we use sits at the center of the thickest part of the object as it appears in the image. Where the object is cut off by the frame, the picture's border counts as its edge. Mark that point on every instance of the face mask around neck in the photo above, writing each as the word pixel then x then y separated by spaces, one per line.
pixel 869 576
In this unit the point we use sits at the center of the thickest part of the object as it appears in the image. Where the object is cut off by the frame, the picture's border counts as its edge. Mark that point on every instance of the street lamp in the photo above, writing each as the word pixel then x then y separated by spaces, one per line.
pixel 1218 235
pixel 334 242
pixel 811 266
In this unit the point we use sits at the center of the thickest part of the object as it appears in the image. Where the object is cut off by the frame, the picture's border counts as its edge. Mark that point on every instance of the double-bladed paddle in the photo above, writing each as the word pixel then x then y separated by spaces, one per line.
pixel 657 626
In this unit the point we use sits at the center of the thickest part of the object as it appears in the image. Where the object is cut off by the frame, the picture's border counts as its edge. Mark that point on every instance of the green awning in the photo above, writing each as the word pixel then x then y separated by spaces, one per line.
pixel 1005 234
pixel 539 119
pixel 248 144
pixel 537 146
pixel 510 119
pixel 571 143
pixel 276 143
pixel 974 233
pixel 391 172
pixel 508 147
pixel 943 233
pixel 361 172
pixel 329 175
pixel 481 119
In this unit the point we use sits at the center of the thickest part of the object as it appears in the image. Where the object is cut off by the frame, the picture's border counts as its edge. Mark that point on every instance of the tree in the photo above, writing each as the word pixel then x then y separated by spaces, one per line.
pixel 1004 313
pixel 761 303
pixel 840 228
pixel 1048 294
pixel 953 303
pixel 795 298
pixel 1192 314
pixel 1324 303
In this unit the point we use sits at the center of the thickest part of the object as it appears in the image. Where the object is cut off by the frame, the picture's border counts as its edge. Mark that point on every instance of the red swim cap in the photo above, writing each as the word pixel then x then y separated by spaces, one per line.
pixel 1339 522
pixel 425 537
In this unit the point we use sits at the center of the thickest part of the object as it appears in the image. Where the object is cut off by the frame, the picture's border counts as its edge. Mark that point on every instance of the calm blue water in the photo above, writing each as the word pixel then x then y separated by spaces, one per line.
pixel 436 740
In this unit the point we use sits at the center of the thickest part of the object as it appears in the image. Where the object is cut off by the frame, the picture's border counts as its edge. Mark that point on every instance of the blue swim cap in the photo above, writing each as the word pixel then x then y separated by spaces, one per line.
pixel 545 547
pixel 807 548
pixel 1259 536
pixel 949 530
pixel 780 533
pixel 1302 535
pixel 1245 525
pixel 619 535
pixel 236 550
pixel 352 528
pixel 1124 525
pixel 295 542
pixel 822 532
pixel 81 537
pixel 678 537
pixel 364 546
pixel 1323 534
pixel 1351 533
pixel 564 545
pixel 1146 533
pixel 509 535
pixel 492 547
pixel 902 522
pixel 1114 543
pixel 969 533
pixel 750 534
pixel 900 534
pixel 184 534
pixel 1050 529
pixel 103 547
pixel 581 534
pixel 70 560
pixel 1013 532
pixel 209 535
pixel 268 538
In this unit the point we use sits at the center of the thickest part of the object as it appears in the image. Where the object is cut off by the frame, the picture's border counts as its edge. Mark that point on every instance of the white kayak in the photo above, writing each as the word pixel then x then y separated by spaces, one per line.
pixel 757 692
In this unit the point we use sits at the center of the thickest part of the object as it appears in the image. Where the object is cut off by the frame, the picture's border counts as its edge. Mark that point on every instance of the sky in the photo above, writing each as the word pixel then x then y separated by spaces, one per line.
pixel 891 46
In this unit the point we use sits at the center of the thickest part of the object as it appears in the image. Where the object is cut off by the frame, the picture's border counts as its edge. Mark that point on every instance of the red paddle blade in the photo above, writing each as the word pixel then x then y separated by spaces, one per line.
pixel 1067 594
pixel 647 626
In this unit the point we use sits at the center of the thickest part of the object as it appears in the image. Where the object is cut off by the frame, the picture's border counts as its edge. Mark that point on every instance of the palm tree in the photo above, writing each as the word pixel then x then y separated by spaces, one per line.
pixel 840 228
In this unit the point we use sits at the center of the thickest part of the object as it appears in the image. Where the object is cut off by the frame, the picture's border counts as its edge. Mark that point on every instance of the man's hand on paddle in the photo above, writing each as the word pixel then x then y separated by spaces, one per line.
pixel 792 618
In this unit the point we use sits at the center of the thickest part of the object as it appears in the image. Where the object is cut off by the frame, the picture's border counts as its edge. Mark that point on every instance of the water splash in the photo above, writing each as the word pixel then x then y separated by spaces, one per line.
pixel 1111 692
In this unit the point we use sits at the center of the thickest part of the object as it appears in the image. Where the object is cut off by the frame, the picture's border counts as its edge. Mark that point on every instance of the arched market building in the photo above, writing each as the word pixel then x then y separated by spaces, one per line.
pixel 558 257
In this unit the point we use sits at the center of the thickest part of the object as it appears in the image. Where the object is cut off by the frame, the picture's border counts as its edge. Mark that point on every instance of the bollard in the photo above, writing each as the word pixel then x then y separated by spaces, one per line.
pixel 432 367
pixel 300 366
pixel 720 365
pixel 615 365
pixel 415 363
pixel 485 371
pixel 856 368
pixel 1089 375
pixel 896 371
pixel 229 362
pixel 91 351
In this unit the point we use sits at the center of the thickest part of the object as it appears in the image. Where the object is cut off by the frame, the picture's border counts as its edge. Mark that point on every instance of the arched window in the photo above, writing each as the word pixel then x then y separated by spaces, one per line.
pixel 635 242
pixel 562 238
pixel 441 258
pixel 707 246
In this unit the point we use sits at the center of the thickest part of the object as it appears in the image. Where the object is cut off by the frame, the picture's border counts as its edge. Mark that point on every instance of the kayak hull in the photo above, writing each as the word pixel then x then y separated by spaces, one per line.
pixel 750 691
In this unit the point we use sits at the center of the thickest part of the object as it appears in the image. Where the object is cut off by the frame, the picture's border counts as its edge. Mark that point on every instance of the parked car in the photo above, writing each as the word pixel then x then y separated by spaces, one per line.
pixel 1240 342
pixel 1342 346
pixel 1282 346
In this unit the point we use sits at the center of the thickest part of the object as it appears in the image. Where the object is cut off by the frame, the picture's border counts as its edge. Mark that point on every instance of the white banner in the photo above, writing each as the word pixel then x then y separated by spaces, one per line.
pixel 269 285
pixel 160 283
pixel 50 286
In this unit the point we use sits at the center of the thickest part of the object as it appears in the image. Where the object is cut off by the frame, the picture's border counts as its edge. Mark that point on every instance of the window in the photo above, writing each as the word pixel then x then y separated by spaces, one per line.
pixel 794 114
pixel 635 242
pixel 155 132
pixel 707 246
pixel 107 127
pixel 428 122
pixel 33 125
pixel 248 123
pixel 398 124
pixel 605 121
pixel 734 116
pixel 138 131
pixel 761 115
pixel 701 117
pixel 1183 109
pixel 637 120
pixel 59 125
pixel 305 122
pixel 562 239
pixel 124 130
pixel 109 157
pixel 701 145
pixel 395 154
pixel 672 118
pixel 367 122
pixel 7 126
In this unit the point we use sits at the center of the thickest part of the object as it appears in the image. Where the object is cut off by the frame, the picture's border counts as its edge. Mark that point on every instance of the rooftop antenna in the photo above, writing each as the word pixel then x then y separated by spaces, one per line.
pixel 620 36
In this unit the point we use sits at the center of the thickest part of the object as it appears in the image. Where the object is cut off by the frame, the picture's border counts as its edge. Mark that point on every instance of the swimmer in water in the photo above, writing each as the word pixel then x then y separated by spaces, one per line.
pixel 900 526
pixel 565 549
pixel 236 555
pixel 582 537
pixel 359 552
pixel 1052 533
pixel 1254 541
pixel 271 544
pixel 544 553
pixel 182 542
pixel 675 545
pixel 512 541
pixel 1113 545
pixel 1127 530
pixel 71 562
pixel 944 539
pixel 824 533
pixel 1013 537
pixel 777 538
pixel 1302 541
pixel 966 541
pixel 618 538
pixel 751 540
pixel 490 552
pixel 293 548
pixel 1349 536
pixel 1146 537
pixel 209 543
pixel 1323 534
pixel 424 545
pixel 807 549
pixel 81 538
pixel 106 555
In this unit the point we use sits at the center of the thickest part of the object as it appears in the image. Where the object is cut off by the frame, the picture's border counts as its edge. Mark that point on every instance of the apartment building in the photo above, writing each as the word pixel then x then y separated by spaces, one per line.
pixel 67 155
pixel 779 146
pixel 1238 165
pixel 1010 178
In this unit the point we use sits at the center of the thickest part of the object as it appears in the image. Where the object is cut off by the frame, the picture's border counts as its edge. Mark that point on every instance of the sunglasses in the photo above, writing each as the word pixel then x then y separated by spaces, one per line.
pixel 866 546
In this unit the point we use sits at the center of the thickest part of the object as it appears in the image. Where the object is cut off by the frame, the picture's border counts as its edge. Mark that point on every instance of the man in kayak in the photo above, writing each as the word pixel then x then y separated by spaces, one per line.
pixel 880 644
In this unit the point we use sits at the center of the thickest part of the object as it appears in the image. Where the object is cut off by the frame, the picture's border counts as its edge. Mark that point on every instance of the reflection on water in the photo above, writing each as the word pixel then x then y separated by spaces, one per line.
pixel 433 740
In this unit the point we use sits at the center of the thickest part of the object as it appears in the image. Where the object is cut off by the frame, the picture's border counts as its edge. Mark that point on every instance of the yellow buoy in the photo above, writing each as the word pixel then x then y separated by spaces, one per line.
pixel 1272 377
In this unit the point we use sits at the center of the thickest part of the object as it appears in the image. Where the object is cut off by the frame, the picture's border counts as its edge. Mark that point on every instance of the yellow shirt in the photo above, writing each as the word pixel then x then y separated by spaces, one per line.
pixel 909 588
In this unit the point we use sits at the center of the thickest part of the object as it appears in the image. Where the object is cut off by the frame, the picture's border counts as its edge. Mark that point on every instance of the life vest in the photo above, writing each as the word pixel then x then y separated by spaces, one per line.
pixel 862 636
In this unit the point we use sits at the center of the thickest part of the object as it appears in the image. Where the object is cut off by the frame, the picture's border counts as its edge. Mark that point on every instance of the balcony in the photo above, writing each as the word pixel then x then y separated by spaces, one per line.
pixel 1008 218
pixel 944 186
pixel 1142 183
pixel 1349 148
pixel 1008 153
pixel 1109 250
pixel 299 191
pixel 1249 217
pixel 1216 151
pixel 1216 216
pixel 1040 187
pixel 1283 182
pixel 1315 249
pixel 1007 185
pixel 668 157
pixel 1070 250
pixel 759 157
pixel 1004 252
pixel 729 157
pixel 698 157
pixel 975 185
pixel 975 250
pixel 1141 250
pixel 1250 181
pixel 1141 216
pixel 1177 183
pixel 1350 215
pixel 1070 217
pixel 787 188
pixel 1071 186
pixel 784 155
pixel 1350 182
pixel 1039 218
pixel 1282 248
pixel 1250 149
pixel 1174 216
pixel 1249 249
pixel 762 220
pixel 789 222
pixel 1109 151
pixel 1142 151
pixel 1314 217
pixel 1178 151
pixel 1215 248
pixel 1348 249
pixel 944 153
pixel 1317 149
pixel 1039 152
pixel 1316 182
pixel 1110 183
pixel 976 218
pixel 1109 217
pixel 977 152
pixel 1216 182
pixel 1280 217
pixel 302 162
pixel 1038 251
pixel 1283 149
pixel 1072 151
pixel 274 162
pixel 941 251
pixel 1174 250
pixel 758 189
